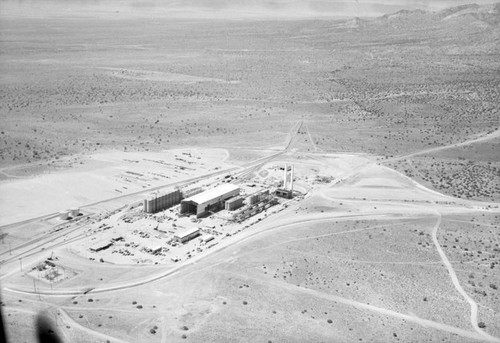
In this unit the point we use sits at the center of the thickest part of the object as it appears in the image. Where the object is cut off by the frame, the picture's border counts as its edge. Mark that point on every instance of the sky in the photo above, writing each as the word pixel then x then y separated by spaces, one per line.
pixel 220 8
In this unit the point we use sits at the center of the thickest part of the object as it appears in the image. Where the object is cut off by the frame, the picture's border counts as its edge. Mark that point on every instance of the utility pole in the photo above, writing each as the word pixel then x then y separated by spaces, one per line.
pixel 21 262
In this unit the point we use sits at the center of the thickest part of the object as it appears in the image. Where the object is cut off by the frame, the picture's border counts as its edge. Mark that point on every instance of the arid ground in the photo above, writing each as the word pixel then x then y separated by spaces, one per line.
pixel 392 124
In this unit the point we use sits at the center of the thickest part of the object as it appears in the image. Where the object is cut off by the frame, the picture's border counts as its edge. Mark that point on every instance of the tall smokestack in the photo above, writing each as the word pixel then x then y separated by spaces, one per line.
pixel 291 179
pixel 284 176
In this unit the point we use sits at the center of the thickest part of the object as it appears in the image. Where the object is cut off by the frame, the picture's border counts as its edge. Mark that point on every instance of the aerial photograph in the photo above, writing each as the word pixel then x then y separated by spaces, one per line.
pixel 272 171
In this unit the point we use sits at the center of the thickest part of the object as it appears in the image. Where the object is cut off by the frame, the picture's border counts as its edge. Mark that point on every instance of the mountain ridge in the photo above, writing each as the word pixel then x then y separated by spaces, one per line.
pixel 272 9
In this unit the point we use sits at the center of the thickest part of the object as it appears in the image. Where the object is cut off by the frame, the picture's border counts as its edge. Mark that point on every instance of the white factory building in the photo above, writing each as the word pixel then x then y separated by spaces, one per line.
pixel 210 200
pixel 185 236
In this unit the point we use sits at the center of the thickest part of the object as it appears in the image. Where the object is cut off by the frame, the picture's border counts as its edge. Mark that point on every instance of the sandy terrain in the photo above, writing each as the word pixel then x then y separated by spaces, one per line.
pixel 390 122
pixel 103 176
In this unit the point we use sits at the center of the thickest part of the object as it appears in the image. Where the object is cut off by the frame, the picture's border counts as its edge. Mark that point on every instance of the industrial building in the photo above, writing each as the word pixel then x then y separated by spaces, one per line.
pixel 101 246
pixel 162 201
pixel 187 235
pixel 258 197
pixel 207 239
pixel 234 203
pixel 209 201
pixel 284 193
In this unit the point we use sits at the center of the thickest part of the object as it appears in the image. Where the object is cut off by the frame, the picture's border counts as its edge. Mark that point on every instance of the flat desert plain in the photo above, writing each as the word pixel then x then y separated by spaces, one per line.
pixel 390 126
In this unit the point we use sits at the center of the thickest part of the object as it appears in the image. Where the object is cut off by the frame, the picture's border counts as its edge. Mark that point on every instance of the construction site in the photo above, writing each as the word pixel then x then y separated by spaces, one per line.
pixel 313 225
pixel 172 225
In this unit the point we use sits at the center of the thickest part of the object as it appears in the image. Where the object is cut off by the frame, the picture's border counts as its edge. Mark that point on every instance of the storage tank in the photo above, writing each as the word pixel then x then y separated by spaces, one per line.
pixel 63 215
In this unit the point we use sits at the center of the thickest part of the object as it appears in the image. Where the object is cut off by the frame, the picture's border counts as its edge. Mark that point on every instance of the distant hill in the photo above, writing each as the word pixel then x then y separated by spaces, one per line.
pixel 470 14
pixel 388 9
pixel 487 13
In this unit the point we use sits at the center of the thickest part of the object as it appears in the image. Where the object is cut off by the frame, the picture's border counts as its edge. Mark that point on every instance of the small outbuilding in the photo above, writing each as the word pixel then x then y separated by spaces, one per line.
pixel 75 212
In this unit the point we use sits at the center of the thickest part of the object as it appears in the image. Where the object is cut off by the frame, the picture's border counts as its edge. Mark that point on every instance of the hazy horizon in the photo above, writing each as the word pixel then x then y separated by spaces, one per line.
pixel 220 9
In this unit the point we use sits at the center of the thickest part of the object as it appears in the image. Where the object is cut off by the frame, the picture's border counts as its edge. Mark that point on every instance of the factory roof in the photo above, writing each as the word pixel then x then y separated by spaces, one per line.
pixel 212 193
pixel 187 232
pixel 160 193
pixel 233 199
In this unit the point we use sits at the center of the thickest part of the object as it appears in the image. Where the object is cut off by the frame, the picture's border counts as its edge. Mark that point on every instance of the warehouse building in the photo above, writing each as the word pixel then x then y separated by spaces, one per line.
pixel 183 237
pixel 207 239
pixel 209 201
pixel 101 246
pixel 162 201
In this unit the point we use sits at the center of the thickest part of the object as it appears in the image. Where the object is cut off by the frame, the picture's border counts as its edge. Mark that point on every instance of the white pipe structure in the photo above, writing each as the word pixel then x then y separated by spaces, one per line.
pixel 291 179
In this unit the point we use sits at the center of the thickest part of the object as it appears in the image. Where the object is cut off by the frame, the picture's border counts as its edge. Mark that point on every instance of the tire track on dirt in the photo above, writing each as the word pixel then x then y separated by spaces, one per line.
pixel 65 317
pixel 482 138
pixel 456 283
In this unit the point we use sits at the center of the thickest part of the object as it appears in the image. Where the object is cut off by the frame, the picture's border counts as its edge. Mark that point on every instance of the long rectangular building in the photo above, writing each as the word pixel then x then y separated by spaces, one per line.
pixel 210 200
pixel 183 237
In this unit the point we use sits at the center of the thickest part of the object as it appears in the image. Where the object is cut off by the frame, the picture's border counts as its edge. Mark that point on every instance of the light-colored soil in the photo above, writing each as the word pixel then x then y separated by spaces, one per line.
pixel 103 176
pixel 390 123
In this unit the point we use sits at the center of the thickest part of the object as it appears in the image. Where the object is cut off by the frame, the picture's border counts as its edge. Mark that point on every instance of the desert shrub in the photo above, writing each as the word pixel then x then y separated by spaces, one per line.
pixel 481 325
